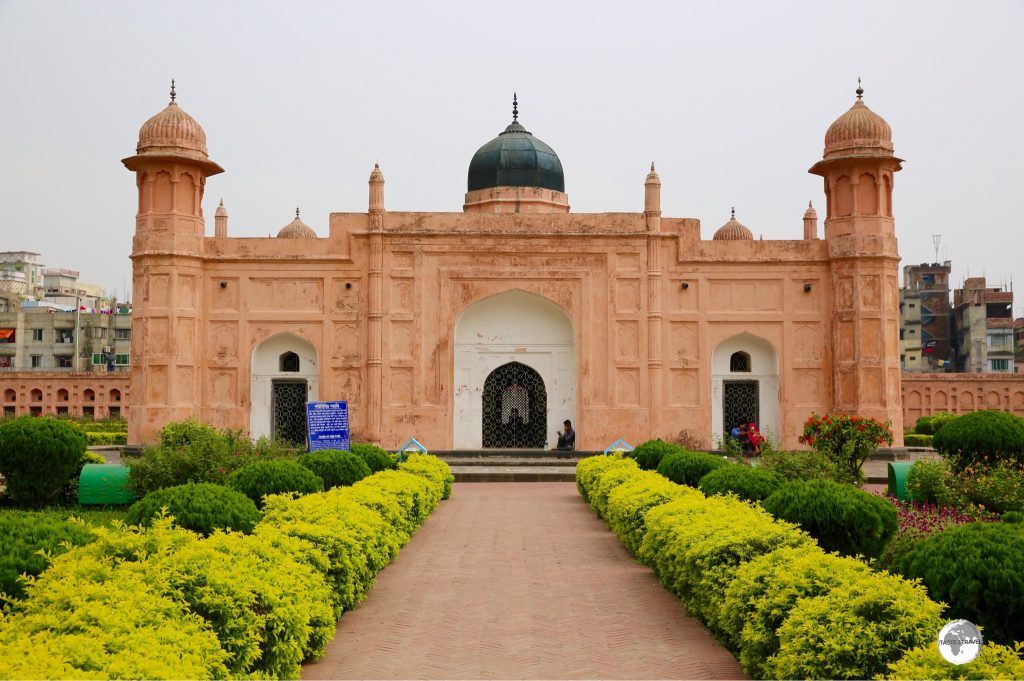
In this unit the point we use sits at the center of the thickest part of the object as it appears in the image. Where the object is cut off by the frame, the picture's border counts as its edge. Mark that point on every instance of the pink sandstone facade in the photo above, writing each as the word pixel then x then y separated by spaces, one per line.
pixel 84 393
pixel 927 394
pixel 490 326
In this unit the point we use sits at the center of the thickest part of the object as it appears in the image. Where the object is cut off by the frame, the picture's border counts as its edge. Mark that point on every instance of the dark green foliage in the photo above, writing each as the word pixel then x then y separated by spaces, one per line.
pixel 930 482
pixel 917 440
pixel 687 468
pixel 1012 517
pixel 747 482
pixel 841 517
pixel 202 507
pixel 23 535
pixel 984 438
pixel 335 467
pixel 801 465
pixel 649 454
pixel 376 458
pixel 929 425
pixel 274 477
pixel 38 456
pixel 190 451
pixel 976 570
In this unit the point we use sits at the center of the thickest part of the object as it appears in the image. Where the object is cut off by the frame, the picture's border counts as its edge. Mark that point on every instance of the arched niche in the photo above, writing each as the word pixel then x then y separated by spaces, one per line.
pixel 512 326
pixel 752 395
pixel 277 396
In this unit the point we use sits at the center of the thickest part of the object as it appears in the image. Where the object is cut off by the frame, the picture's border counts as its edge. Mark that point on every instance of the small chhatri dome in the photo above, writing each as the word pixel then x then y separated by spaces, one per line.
pixel 296 229
pixel 172 128
pixel 810 213
pixel 221 212
pixel 859 131
pixel 733 231
pixel 515 158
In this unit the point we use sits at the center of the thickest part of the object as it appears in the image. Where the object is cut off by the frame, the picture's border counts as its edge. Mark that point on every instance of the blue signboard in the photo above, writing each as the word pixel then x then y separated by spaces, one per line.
pixel 327 424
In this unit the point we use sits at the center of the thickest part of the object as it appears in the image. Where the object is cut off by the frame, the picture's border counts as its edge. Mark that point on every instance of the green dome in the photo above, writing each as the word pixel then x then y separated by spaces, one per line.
pixel 516 158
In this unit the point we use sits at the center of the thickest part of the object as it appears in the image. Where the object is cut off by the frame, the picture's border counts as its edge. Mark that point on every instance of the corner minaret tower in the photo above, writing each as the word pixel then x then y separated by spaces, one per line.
pixel 858 167
pixel 171 166
pixel 810 223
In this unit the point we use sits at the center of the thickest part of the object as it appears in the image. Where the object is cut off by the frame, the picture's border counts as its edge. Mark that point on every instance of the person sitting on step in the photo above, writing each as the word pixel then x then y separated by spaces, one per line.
pixel 566 438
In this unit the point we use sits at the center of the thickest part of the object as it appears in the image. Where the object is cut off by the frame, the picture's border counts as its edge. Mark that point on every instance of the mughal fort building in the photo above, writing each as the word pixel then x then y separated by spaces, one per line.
pixel 490 326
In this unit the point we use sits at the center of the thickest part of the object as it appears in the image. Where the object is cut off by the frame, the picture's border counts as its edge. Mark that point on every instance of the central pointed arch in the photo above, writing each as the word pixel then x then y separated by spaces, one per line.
pixel 508 329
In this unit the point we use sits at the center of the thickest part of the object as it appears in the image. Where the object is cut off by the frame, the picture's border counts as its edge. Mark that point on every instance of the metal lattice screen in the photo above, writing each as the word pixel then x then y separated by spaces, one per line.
pixel 288 411
pixel 515 408
pixel 739 404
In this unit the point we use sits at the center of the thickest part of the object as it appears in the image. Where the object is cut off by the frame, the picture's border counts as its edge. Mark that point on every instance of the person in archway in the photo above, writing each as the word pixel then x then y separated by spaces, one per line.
pixel 566 438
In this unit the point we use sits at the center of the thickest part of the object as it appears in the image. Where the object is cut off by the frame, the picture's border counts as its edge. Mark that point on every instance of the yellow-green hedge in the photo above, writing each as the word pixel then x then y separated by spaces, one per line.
pixel 162 602
pixel 97 438
pixel 763 586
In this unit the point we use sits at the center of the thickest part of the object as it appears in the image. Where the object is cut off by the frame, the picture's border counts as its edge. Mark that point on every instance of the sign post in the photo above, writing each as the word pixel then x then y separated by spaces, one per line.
pixel 327 425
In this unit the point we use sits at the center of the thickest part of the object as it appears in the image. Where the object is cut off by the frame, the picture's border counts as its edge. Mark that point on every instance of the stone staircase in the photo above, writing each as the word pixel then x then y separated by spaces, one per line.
pixel 512 465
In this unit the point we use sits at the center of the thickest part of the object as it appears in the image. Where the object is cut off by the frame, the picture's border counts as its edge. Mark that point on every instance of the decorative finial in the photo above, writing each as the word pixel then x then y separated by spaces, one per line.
pixel 173 94
pixel 515 107
pixel 810 204
pixel 734 212
pixel 296 212
pixel 222 203
pixel 652 166
pixel 860 90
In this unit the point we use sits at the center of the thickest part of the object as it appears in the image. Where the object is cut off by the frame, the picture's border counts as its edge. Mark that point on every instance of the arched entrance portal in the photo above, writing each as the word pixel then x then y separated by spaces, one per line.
pixel 512 329
pixel 284 377
pixel 744 385
pixel 515 408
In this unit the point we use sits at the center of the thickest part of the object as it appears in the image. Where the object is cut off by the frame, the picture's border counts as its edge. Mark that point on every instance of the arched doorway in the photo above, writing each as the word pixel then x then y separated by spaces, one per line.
pixel 744 385
pixel 512 329
pixel 285 375
pixel 515 408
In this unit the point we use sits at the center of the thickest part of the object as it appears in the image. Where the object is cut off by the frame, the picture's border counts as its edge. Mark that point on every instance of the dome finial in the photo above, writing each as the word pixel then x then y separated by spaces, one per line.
pixel 652 166
pixel 810 204
pixel 222 202
pixel 734 212
pixel 860 90
pixel 515 107
pixel 296 212
pixel 173 93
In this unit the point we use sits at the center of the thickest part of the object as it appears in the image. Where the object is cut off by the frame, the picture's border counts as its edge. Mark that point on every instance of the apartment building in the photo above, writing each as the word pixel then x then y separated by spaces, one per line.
pixel 926 318
pixel 42 336
pixel 983 324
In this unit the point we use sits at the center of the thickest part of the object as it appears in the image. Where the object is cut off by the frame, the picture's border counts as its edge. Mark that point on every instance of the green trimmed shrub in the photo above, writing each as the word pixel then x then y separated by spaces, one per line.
pixel 201 507
pixel 917 440
pixel 1012 517
pixel 187 432
pixel 30 540
pixel 855 630
pixel 649 454
pixel 274 477
pixel 931 482
pixel 841 517
pixel 766 589
pixel 694 544
pixel 687 468
pixel 981 438
pixel 629 502
pixel 99 438
pixel 376 458
pixel 929 425
pixel 975 569
pixel 999 488
pixel 993 662
pixel 38 456
pixel 589 470
pixel 607 479
pixel 800 465
pixel 432 468
pixel 335 467
pixel 752 483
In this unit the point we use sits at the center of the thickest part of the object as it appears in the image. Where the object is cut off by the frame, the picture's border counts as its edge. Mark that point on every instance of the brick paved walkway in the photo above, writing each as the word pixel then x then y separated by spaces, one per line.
pixel 519 581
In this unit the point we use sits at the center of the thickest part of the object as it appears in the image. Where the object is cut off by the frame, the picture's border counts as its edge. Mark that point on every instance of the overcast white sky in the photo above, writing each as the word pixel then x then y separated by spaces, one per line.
pixel 298 99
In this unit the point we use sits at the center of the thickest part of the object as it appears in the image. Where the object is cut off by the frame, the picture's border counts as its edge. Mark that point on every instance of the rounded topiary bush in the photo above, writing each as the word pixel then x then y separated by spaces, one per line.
pixel 975 569
pixel 38 456
pixel 687 468
pixel 982 437
pixel 376 458
pixel 335 467
pixel 274 477
pixel 202 507
pixel 929 425
pixel 25 536
pixel 649 454
pixel 746 482
pixel 841 517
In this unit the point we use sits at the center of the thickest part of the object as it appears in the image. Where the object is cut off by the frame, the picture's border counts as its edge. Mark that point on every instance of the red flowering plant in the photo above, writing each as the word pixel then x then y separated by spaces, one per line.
pixel 846 440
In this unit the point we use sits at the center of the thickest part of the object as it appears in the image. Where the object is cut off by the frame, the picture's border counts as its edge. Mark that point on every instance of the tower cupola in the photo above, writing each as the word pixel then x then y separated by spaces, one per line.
pixel 733 231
